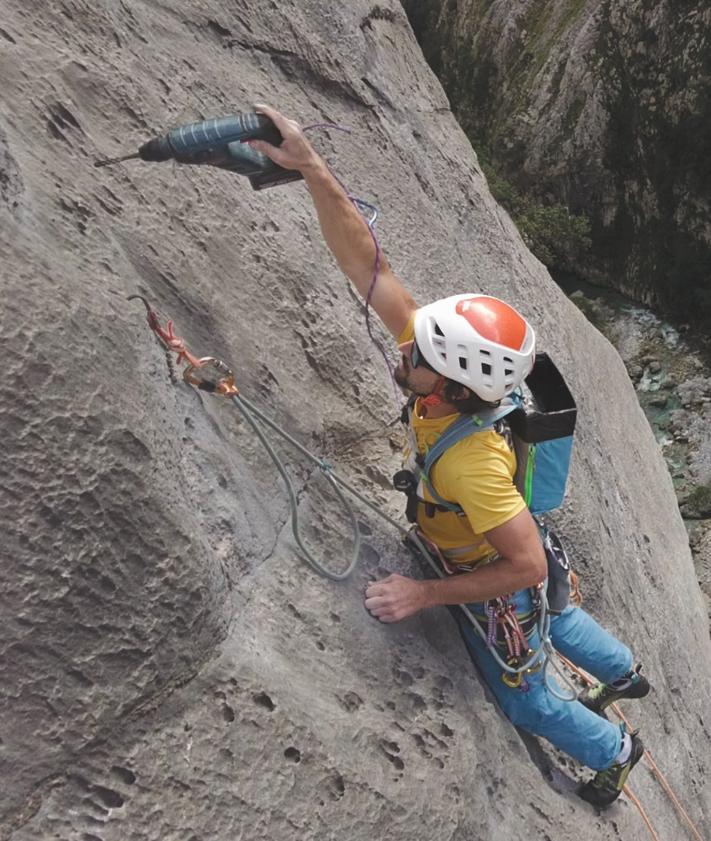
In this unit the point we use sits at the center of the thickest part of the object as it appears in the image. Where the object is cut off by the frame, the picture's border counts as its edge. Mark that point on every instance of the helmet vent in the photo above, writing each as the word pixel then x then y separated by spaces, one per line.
pixel 486 369
pixel 440 348
pixel 463 352
pixel 438 329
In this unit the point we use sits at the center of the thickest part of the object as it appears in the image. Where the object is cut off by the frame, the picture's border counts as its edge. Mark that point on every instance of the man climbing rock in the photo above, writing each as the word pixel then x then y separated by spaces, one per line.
pixel 463 355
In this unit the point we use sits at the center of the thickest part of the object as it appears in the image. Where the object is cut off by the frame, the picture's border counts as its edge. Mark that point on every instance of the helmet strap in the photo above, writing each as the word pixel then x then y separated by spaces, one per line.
pixel 434 398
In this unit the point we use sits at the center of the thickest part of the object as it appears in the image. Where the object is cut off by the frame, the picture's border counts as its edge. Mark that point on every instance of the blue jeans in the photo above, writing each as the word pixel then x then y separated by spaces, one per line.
pixel 568 725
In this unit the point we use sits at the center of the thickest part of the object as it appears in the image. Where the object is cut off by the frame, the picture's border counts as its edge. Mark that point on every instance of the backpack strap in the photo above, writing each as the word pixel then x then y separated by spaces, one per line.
pixel 463 427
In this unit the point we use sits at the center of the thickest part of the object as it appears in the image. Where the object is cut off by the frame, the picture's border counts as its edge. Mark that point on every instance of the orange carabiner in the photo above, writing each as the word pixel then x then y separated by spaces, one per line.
pixel 196 369
pixel 195 374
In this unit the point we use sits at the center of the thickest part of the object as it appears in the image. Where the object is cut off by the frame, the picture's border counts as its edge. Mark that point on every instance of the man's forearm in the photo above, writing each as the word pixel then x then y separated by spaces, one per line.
pixel 344 229
pixel 495 579
pixel 346 232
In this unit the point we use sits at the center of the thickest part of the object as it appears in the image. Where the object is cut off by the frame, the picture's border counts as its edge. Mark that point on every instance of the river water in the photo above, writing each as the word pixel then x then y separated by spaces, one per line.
pixel 670 368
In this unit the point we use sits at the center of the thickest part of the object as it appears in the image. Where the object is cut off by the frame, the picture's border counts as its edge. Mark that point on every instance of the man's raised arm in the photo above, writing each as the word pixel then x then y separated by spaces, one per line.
pixel 344 229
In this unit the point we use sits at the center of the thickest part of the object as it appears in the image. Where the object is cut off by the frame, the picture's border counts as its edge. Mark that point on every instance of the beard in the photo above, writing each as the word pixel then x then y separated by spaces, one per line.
pixel 401 375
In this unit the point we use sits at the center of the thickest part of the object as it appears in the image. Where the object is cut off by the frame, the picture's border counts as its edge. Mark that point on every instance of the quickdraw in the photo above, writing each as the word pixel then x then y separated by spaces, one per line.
pixel 197 369
pixel 215 377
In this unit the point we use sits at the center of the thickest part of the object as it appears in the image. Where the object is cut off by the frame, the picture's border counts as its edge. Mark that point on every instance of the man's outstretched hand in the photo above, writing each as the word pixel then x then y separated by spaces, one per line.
pixel 295 151
pixel 395 597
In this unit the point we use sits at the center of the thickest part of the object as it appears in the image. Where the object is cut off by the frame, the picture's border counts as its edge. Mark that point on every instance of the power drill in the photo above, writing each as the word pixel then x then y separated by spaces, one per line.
pixel 219 142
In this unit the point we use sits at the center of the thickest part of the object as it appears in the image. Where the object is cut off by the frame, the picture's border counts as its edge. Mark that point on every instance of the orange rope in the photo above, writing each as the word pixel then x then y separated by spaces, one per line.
pixel 654 768
pixel 633 797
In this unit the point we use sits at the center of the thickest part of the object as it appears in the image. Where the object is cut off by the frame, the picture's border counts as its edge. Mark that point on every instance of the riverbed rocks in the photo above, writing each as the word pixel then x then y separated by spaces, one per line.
pixel 674 388
pixel 695 391
pixel 700 539
pixel 697 505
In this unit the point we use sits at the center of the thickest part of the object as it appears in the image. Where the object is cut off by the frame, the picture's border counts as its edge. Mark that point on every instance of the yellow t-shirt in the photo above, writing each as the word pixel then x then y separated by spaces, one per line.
pixel 476 473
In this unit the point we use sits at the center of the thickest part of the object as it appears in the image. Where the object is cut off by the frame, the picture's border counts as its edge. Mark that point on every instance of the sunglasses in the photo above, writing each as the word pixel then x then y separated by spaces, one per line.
pixel 417 358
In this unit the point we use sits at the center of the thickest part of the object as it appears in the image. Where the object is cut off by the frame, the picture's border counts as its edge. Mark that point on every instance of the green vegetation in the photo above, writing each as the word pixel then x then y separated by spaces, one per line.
pixel 646 201
pixel 556 236
pixel 543 23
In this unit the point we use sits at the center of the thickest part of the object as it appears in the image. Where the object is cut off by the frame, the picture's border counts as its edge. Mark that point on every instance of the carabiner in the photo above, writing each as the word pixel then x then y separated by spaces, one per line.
pixel 512 679
pixel 224 384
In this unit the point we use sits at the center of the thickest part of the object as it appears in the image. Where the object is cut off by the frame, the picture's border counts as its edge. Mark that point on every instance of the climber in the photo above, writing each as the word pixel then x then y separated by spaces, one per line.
pixel 494 548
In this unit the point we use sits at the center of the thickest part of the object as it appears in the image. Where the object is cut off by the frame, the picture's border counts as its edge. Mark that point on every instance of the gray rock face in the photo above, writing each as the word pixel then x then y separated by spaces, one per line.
pixel 170 669
pixel 604 106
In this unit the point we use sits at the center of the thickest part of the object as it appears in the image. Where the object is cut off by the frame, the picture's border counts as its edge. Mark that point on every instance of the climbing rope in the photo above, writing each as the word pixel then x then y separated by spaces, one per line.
pixel 212 375
pixel 654 768
pixel 364 207
pixel 645 817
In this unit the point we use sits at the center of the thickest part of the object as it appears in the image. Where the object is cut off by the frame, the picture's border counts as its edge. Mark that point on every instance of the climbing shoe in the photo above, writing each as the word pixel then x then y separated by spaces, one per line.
pixel 631 685
pixel 606 786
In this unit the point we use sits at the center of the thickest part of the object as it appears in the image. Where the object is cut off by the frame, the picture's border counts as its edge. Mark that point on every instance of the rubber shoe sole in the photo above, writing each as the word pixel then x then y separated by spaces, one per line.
pixel 599 697
pixel 606 786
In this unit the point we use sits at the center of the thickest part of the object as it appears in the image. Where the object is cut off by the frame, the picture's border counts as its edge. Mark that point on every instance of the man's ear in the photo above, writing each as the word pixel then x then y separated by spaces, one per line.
pixel 457 391
pixel 461 392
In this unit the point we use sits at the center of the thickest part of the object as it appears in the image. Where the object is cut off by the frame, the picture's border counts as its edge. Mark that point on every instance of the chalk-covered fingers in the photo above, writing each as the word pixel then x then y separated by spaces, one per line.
pixel 395 598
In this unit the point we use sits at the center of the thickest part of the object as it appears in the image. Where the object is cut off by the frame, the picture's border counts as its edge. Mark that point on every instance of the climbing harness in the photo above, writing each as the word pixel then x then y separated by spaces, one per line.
pixel 213 376
pixel 539 428
pixel 501 614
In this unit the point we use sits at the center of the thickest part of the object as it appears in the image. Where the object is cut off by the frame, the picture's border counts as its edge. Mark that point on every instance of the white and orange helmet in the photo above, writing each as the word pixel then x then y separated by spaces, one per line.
pixel 478 341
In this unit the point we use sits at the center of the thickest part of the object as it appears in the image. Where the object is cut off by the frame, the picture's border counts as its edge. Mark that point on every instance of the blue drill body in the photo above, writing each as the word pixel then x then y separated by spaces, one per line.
pixel 220 142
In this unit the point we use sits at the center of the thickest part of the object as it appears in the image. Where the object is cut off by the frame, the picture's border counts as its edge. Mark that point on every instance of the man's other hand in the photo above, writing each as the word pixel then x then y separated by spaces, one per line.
pixel 395 597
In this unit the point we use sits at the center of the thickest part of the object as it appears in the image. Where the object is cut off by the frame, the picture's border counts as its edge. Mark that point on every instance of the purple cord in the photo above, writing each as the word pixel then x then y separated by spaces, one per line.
pixel 374 279
pixel 358 203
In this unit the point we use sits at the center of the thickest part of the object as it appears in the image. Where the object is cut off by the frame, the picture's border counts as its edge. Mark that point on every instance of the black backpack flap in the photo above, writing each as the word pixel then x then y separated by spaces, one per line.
pixel 553 411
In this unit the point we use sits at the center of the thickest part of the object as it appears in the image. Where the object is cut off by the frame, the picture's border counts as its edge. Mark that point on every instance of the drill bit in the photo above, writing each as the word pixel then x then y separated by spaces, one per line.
pixel 111 161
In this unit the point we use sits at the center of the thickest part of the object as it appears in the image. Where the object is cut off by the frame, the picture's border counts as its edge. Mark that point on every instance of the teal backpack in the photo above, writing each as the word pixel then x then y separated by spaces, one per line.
pixel 541 426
